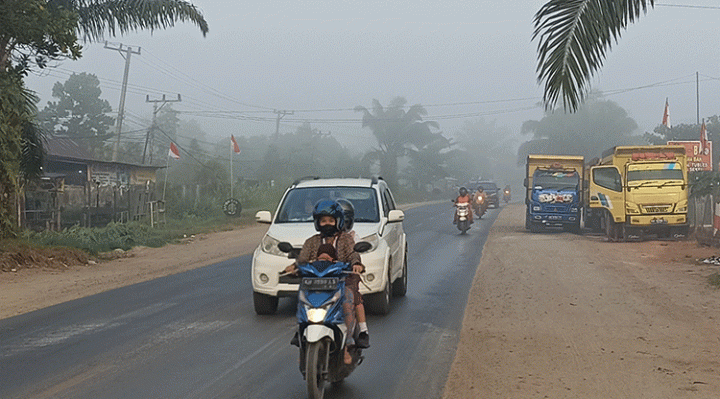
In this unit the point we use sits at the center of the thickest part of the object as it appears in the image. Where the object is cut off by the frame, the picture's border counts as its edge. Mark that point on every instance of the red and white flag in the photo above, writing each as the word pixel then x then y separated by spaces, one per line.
pixel 234 145
pixel 703 137
pixel 174 152
pixel 666 115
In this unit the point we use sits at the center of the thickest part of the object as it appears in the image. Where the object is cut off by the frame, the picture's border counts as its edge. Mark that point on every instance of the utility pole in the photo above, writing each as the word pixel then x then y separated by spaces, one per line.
pixel 150 135
pixel 121 109
pixel 280 114
pixel 697 95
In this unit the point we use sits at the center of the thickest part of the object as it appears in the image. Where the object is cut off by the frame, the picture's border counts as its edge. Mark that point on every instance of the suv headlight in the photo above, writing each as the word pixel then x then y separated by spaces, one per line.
pixel 269 245
pixel 373 240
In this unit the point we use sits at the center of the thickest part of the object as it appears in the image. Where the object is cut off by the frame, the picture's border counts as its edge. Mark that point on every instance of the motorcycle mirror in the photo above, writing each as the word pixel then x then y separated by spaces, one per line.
pixel 285 247
pixel 362 246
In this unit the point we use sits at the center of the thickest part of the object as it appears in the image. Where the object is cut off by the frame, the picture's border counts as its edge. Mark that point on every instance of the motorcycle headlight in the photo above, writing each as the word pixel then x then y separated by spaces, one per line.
pixel 269 245
pixel 373 240
pixel 317 315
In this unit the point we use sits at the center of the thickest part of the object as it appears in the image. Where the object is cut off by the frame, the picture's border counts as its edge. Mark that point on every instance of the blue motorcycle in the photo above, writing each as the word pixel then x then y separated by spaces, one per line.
pixel 322 332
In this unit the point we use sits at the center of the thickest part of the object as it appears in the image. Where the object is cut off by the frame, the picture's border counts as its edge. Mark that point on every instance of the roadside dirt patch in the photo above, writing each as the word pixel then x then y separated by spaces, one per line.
pixel 25 257
pixel 557 315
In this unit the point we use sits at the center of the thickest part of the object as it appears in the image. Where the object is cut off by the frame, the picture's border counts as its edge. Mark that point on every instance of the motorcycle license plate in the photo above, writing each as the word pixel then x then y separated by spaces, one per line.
pixel 319 283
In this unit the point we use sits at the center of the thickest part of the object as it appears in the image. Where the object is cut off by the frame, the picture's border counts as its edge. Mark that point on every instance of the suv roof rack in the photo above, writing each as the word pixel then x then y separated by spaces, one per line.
pixel 295 183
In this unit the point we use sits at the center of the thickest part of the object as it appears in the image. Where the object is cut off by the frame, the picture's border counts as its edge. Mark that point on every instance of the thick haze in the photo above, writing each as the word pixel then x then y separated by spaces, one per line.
pixel 314 57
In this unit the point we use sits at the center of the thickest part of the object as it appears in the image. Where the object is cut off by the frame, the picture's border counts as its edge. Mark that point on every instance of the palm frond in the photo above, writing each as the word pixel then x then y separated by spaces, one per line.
pixel 97 17
pixel 574 38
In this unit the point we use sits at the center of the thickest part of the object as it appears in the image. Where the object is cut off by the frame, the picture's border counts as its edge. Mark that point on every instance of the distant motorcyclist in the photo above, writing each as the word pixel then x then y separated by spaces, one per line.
pixel 464 197
pixel 479 201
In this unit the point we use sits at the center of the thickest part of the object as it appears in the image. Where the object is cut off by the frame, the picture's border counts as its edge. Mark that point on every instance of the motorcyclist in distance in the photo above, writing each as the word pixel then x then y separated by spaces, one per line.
pixel 464 197
pixel 480 207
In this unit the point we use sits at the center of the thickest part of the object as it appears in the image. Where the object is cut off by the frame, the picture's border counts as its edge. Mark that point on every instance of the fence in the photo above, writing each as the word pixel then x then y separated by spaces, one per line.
pixel 704 218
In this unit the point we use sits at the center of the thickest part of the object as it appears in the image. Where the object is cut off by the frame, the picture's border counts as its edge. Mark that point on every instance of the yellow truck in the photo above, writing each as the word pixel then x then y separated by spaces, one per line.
pixel 639 190
pixel 554 194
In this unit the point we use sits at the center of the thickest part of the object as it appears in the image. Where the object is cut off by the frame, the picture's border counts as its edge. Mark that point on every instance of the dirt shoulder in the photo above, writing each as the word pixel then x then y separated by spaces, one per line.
pixel 558 315
pixel 36 288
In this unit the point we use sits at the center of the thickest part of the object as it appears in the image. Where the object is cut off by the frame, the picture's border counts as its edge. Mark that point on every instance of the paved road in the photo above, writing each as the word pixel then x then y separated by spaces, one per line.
pixel 195 334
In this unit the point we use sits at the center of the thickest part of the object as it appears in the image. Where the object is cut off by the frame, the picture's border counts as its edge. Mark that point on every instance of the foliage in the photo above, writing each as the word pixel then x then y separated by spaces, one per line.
pixel 703 183
pixel 574 37
pixel 486 150
pixel 79 113
pixel 96 239
pixel 397 131
pixel 597 125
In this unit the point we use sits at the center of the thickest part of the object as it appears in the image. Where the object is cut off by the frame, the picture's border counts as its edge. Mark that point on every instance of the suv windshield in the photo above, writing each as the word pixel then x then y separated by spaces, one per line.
pixel 488 186
pixel 299 202
pixel 555 180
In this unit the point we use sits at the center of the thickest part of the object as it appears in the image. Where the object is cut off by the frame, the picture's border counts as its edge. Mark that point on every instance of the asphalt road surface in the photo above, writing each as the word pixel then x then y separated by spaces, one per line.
pixel 195 334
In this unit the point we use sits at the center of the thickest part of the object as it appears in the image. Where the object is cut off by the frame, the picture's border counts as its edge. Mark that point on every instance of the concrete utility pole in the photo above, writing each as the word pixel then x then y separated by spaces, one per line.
pixel 150 135
pixel 280 114
pixel 121 109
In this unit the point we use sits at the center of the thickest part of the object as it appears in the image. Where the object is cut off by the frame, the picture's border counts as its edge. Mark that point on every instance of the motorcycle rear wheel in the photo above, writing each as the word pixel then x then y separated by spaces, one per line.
pixel 315 357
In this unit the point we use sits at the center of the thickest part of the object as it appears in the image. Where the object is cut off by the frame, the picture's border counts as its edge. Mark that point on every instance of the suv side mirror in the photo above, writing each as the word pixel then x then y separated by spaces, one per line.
pixel 395 216
pixel 263 217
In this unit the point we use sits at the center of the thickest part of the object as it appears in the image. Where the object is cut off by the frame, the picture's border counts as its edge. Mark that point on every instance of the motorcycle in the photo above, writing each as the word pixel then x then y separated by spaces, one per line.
pixel 480 206
pixel 322 332
pixel 506 196
pixel 462 215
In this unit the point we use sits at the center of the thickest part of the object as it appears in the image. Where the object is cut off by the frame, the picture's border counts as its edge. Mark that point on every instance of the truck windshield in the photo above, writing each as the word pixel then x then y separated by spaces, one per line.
pixel 556 180
pixel 298 204
pixel 669 171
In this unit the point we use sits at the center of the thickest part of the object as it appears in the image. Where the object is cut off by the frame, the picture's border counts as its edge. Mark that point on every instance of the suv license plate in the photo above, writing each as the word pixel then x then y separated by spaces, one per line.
pixel 319 284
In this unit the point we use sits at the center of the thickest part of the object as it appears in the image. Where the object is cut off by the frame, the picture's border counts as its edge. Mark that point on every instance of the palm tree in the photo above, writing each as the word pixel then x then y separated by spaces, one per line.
pixel 396 131
pixel 32 32
pixel 574 37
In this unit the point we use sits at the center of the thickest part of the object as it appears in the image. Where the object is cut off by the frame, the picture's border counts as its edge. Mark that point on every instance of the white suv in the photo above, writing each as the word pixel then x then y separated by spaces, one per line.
pixel 376 221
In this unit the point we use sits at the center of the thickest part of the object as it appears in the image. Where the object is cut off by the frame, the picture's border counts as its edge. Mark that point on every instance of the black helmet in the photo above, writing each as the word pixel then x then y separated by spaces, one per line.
pixel 348 213
pixel 328 208
pixel 463 191
pixel 480 188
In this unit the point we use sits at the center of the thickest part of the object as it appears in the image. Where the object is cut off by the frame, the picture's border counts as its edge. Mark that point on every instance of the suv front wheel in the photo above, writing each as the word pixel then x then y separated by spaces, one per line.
pixel 265 304
pixel 379 303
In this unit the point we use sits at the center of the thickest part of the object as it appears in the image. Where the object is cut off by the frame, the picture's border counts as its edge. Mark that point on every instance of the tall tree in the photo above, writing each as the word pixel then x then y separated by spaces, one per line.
pixel 688 131
pixel 35 32
pixel 79 113
pixel 396 130
pixel 597 125
pixel 574 37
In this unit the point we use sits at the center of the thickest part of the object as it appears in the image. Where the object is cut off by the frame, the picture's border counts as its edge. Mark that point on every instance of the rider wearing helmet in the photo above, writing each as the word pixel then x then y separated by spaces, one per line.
pixel 353 280
pixel 464 197
pixel 329 221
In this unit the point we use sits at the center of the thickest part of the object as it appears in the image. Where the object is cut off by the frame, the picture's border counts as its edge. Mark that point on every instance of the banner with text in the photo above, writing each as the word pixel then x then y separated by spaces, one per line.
pixel 698 158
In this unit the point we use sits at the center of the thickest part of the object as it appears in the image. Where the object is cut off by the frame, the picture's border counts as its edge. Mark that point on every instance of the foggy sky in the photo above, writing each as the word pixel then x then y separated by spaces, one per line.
pixel 314 57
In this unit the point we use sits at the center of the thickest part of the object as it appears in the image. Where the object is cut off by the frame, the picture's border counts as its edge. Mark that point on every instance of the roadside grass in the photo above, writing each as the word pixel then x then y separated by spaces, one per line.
pixel 96 240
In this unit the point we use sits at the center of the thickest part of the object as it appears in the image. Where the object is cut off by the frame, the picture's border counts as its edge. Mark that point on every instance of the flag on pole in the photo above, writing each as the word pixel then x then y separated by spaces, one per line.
pixel 174 152
pixel 703 137
pixel 234 145
pixel 666 115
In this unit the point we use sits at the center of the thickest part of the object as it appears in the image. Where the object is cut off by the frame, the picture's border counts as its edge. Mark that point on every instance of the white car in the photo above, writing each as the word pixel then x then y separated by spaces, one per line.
pixel 377 221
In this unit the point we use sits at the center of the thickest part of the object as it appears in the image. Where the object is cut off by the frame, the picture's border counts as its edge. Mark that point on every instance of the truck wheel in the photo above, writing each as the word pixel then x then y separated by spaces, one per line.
pixel 535 227
pixel 264 304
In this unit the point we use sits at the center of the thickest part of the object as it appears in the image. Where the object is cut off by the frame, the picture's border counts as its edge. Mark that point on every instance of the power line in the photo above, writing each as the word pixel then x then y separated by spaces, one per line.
pixel 688 6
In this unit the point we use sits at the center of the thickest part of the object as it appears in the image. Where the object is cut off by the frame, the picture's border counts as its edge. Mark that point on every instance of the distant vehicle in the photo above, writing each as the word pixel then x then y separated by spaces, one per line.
pixel 491 192
pixel 377 221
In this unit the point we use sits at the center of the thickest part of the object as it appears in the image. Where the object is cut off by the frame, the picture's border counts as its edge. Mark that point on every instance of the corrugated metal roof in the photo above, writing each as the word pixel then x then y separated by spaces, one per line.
pixel 57 147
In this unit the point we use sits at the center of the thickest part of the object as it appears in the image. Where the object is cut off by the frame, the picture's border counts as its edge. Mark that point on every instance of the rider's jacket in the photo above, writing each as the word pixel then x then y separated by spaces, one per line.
pixel 463 198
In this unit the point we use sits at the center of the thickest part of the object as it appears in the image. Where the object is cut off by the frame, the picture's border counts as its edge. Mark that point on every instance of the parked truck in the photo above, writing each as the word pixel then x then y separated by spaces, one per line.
pixel 639 190
pixel 554 192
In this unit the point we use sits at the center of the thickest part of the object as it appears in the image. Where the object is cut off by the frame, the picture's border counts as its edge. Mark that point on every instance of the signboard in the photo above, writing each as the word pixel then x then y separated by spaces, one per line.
pixel 697 159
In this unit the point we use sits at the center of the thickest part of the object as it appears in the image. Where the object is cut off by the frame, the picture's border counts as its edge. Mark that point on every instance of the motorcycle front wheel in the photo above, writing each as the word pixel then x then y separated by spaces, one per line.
pixel 315 358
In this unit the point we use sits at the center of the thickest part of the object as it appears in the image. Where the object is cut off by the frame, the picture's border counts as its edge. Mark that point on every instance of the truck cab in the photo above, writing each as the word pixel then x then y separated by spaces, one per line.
pixel 554 194
pixel 641 190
